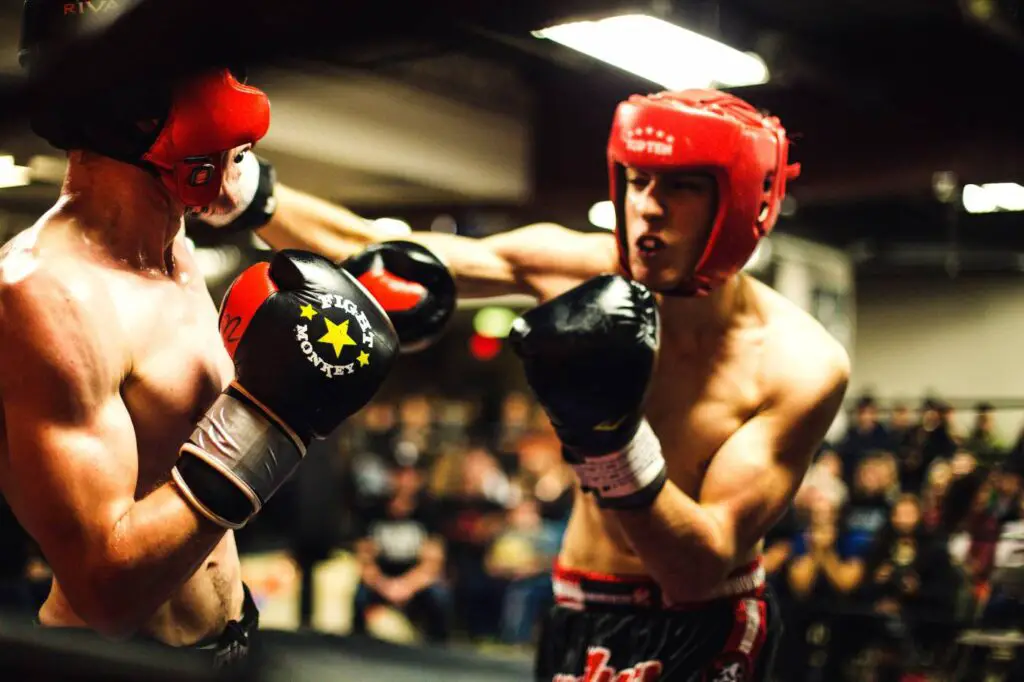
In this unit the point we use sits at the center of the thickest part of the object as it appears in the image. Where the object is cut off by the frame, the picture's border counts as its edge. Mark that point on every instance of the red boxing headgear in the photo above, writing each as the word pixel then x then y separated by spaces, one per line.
pixel 209 116
pixel 181 133
pixel 705 131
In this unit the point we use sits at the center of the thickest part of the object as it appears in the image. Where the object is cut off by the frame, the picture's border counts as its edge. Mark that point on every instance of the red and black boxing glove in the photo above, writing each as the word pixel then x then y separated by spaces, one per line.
pixel 412 285
pixel 311 347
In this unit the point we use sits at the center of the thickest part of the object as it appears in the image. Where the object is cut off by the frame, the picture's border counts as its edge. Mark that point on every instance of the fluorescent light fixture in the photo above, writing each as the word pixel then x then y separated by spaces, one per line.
pixel 393 226
pixel 672 56
pixel 993 197
pixel 602 214
pixel 11 175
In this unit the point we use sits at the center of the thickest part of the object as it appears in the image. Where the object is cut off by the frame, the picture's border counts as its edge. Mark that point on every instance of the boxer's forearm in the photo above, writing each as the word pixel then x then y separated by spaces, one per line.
pixel 679 543
pixel 152 549
pixel 302 221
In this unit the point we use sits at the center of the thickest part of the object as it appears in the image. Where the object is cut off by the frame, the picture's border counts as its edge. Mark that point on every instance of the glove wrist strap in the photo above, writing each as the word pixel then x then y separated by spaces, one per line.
pixel 251 456
pixel 631 477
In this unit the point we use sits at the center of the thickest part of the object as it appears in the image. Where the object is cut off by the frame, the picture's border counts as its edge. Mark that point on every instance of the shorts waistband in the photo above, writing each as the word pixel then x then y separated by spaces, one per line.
pixel 578 589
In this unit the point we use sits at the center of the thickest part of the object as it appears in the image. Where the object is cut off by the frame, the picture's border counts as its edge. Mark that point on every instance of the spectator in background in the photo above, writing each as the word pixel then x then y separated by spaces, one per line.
pixel 523 555
pixel 889 473
pixel 910 582
pixel 825 478
pixel 824 569
pixel 474 497
pixel 379 427
pixel 453 423
pixel 401 559
pixel 934 494
pixel 369 447
pixel 870 503
pixel 899 426
pixel 931 440
pixel 982 440
pixel 820 579
pixel 865 434
pixel 909 567
pixel 414 439
pixel 514 422
pixel 1006 605
pixel 543 474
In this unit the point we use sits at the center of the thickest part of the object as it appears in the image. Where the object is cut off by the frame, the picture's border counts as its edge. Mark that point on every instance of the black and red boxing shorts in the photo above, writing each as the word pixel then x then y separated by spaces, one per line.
pixel 614 628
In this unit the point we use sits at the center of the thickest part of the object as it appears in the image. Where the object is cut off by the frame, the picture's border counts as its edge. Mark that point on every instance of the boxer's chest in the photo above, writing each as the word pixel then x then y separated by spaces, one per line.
pixel 695 406
pixel 179 366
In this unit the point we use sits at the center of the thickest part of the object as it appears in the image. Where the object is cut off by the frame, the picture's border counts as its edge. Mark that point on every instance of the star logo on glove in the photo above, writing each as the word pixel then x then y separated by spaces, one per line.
pixel 337 336
pixel 337 331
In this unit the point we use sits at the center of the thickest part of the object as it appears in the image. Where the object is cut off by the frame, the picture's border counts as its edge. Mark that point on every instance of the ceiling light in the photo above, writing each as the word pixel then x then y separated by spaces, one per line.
pixel 602 214
pixel 672 56
pixel 993 197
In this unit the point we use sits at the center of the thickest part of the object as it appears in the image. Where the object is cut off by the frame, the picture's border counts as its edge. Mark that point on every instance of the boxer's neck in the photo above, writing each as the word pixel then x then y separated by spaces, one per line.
pixel 689 321
pixel 123 209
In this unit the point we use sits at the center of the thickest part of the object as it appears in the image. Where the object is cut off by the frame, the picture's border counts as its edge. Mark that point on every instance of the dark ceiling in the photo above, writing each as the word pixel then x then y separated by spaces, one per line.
pixel 877 95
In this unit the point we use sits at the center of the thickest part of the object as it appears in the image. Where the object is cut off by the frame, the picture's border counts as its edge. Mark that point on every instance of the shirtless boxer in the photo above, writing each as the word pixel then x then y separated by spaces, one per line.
pixel 691 414
pixel 134 437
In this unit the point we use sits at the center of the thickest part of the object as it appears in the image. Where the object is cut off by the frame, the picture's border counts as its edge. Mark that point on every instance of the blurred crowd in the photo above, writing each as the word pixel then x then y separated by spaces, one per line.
pixel 455 513
pixel 896 542
pixel 455 522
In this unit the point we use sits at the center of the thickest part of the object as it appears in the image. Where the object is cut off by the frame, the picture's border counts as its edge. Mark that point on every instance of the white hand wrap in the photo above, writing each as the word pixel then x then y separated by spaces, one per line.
pixel 248 183
pixel 634 473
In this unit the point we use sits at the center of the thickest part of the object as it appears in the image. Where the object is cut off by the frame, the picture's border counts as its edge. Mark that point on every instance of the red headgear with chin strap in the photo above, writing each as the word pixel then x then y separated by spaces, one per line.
pixel 209 116
pixel 182 132
pixel 705 131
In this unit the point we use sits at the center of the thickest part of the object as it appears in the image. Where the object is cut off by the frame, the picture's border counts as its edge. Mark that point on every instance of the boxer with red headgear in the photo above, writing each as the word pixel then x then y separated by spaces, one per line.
pixel 717 142
pixel 136 437
pixel 689 397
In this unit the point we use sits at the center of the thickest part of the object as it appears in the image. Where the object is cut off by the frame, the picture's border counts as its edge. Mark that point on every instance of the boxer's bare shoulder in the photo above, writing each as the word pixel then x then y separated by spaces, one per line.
pixel 103 371
pixel 541 260
pixel 801 356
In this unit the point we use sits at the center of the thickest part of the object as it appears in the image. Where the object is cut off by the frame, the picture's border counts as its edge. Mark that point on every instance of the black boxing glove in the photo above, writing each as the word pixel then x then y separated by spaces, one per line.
pixel 310 347
pixel 588 356
pixel 413 286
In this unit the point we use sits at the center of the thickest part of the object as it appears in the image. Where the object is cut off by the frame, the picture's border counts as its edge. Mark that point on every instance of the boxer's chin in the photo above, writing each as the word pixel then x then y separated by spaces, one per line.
pixel 657 278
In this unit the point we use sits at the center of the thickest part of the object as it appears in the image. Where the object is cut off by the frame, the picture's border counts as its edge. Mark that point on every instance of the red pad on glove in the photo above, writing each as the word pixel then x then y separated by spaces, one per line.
pixel 241 302
pixel 393 293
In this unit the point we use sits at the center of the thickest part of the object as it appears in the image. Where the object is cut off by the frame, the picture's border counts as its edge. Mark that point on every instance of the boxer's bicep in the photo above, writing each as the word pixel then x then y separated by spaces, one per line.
pixel 74 481
pixel 753 477
pixel 70 440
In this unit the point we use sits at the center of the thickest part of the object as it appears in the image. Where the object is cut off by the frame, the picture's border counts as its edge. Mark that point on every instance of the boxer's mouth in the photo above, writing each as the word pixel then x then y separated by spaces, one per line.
pixel 650 244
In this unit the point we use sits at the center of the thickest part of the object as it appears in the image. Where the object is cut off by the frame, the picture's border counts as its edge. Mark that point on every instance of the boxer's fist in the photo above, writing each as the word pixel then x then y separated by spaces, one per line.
pixel 588 355
pixel 413 286
pixel 310 348
pixel 309 343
